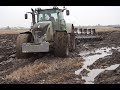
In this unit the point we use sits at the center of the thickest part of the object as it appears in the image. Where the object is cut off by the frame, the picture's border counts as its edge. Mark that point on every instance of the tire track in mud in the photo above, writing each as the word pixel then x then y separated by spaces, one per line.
pixel 9 63
pixel 8 60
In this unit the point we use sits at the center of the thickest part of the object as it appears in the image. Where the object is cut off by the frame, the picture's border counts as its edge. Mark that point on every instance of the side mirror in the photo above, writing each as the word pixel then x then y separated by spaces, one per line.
pixel 26 16
pixel 67 12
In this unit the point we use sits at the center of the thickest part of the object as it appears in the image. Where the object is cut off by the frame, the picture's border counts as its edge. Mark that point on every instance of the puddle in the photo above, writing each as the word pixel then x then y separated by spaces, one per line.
pixel 94 72
pixel 90 57
pixel 112 67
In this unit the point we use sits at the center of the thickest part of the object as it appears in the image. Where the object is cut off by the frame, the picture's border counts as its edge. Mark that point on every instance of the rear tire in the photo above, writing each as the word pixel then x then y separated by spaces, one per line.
pixel 61 48
pixel 72 42
pixel 22 38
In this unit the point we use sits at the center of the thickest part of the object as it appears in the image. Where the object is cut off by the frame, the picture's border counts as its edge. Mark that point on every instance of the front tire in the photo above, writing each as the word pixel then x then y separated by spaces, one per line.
pixel 72 42
pixel 22 38
pixel 61 48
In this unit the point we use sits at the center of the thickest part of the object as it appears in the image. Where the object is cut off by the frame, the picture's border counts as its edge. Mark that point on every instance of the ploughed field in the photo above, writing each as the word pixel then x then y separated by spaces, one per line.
pixel 47 69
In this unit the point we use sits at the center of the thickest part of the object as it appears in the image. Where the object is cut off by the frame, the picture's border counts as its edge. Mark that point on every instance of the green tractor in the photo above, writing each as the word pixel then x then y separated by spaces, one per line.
pixel 49 33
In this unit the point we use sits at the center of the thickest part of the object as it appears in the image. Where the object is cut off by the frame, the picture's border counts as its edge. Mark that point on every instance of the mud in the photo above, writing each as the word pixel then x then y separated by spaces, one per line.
pixel 23 71
pixel 104 74
pixel 106 61
pixel 47 69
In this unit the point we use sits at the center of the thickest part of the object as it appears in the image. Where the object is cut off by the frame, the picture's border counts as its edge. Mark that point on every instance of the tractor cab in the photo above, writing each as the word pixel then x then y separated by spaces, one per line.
pixel 55 15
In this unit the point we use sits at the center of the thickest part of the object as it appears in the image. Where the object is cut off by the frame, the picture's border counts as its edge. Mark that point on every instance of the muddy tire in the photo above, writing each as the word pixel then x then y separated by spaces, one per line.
pixel 22 38
pixel 72 44
pixel 60 45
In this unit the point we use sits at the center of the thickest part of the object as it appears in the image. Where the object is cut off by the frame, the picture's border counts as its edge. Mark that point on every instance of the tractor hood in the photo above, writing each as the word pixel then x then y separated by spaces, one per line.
pixel 41 25
pixel 39 30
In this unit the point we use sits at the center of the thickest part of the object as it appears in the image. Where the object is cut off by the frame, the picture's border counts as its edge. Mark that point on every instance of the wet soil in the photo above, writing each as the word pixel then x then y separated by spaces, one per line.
pixel 108 76
pixel 55 70
pixel 23 71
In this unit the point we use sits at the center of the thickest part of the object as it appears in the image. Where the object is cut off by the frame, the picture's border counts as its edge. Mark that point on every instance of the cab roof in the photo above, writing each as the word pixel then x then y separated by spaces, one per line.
pixel 54 8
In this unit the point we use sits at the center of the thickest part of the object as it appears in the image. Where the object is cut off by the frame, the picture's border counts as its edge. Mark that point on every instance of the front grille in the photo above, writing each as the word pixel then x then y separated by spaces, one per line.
pixel 38 34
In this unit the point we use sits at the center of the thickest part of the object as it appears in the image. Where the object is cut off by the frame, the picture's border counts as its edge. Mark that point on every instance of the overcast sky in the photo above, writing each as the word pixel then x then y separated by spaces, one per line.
pixel 79 15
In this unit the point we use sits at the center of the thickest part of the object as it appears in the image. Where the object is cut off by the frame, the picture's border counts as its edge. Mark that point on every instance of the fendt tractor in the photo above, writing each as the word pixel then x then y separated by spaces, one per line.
pixel 49 32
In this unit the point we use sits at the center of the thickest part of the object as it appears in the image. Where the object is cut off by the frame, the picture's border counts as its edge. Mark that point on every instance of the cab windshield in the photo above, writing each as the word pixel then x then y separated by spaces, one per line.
pixel 47 15
pixel 55 16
